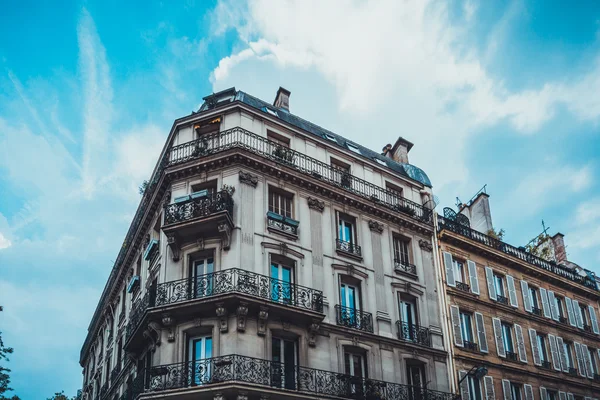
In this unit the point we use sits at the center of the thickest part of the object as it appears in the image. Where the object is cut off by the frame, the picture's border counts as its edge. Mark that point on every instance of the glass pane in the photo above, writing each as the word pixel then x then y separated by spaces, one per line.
pixel 276 349
pixel 208 350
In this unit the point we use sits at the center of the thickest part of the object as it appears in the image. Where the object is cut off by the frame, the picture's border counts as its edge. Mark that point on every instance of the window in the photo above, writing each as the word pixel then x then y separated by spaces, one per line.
pixel 280 202
pixel 466 326
pixel 206 189
pixel 408 317
pixel 329 137
pixel 201 272
pixel 507 338
pixel 353 148
pixel 282 279
pixel 401 254
pixel 459 270
pixel 199 350
pixel 279 139
pixel 394 193
pixel 415 374
pixel 584 317
pixel 533 294
pixel 515 391
pixel 474 388
pixel 270 111
pixel 284 353
pixel 123 296
pixel 499 285
pixel 567 346
pixel 559 305
pixel 541 344
pixel 350 293
pixel 593 360
pixel 380 162
pixel 552 395
pixel 355 365
pixel 346 228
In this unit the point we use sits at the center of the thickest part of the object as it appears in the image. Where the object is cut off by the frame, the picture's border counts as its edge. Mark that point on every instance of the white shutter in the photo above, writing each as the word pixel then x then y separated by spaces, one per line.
pixel 520 343
pixel 535 350
pixel 489 276
pixel 526 296
pixel 543 393
pixel 578 316
pixel 498 335
pixel 506 389
pixel 512 291
pixel 563 354
pixel 545 303
pixel 562 395
pixel 570 311
pixel 580 359
pixel 464 385
pixel 474 280
pixel 594 319
pixel 450 279
pixel 554 352
pixel 528 392
pixel 488 383
pixel 481 336
pixel 588 361
pixel 456 326
pixel 553 307
pixel 570 396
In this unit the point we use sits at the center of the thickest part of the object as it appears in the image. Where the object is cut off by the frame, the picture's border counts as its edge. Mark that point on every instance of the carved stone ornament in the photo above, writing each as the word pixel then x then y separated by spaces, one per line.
pixel 248 178
pixel 168 322
pixel 146 241
pixel 316 204
pixel 242 396
pixel 223 320
pixel 219 396
pixel 242 312
pixel 174 246
pixel 263 314
pixel 167 198
pixel 355 340
pixel 225 231
pixel 375 226
pixel 152 333
pixel 313 329
pixel 425 245
pixel 264 397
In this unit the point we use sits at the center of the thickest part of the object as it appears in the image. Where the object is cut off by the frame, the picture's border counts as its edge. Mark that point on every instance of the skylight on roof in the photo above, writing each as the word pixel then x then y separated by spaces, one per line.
pixel 381 162
pixel 270 111
pixel 329 137
pixel 353 148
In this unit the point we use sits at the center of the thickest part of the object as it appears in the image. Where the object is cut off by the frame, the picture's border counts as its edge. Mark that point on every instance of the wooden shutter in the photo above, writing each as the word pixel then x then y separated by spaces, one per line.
pixel 554 352
pixel 474 280
pixel 526 296
pixel 481 336
pixel 553 307
pixel 570 312
pixel 545 303
pixel 578 316
pixel 520 343
pixel 580 359
pixel 512 291
pixel 563 354
pixel 528 392
pixel 464 385
pixel 488 383
pixel 562 395
pixel 489 276
pixel 594 319
pixel 543 393
pixel 456 326
pixel 506 389
pixel 498 335
pixel 450 279
pixel 588 361
pixel 535 350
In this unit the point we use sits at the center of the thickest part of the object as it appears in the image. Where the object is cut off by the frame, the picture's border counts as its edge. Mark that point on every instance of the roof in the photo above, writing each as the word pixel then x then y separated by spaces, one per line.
pixel 229 95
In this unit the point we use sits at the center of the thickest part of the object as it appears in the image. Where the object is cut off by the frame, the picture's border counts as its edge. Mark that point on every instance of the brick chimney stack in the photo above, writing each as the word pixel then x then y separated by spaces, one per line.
pixel 282 100
pixel 560 252
pixel 399 151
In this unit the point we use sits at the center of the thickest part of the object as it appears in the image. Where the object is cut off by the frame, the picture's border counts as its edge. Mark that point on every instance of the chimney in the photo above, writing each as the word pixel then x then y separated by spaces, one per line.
pixel 479 213
pixel 282 100
pixel 560 253
pixel 399 151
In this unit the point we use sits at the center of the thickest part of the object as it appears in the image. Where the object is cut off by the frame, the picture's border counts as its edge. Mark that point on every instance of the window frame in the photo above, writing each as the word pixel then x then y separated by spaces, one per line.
pixel 469 316
pixel 397 242
pixel 283 198
pixel 507 326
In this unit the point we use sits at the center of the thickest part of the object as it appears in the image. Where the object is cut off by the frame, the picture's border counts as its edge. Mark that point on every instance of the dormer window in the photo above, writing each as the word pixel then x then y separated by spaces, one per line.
pixel 380 162
pixel 329 137
pixel 353 148
pixel 270 111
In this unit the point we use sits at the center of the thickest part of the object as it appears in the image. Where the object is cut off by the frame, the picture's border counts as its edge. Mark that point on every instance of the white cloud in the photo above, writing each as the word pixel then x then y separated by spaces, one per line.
pixel 4 242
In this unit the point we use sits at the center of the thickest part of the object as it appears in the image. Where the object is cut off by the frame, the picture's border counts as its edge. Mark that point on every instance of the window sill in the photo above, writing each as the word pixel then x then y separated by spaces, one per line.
pixel 349 254
pixel 283 233
pixel 403 272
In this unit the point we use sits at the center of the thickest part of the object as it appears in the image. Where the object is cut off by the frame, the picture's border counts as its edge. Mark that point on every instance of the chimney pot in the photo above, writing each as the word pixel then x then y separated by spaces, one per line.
pixel 399 152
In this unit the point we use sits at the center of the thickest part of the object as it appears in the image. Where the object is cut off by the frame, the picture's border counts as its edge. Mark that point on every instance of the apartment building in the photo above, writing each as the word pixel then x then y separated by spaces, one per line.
pixel 523 321
pixel 271 258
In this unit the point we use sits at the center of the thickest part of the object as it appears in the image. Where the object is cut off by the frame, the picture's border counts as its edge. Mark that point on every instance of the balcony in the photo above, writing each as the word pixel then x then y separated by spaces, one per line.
pixel 572 371
pixel 404 267
pixel 115 371
pixel 463 287
pixel 546 364
pixel 290 381
pixel 138 312
pixel 103 390
pixel 520 253
pixel 502 300
pixel 353 318
pixel 282 225
pixel 248 141
pixel 413 333
pixel 536 311
pixel 348 248
pixel 470 346
pixel 512 356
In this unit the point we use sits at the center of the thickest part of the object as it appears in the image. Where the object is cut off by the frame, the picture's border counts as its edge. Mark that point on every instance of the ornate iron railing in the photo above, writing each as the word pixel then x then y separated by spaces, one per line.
pixel 197 208
pixel 413 333
pixel 502 299
pixel 243 139
pixel 463 287
pixel 511 356
pixel 587 328
pixel 283 224
pixel 546 364
pixel 115 371
pixel 353 318
pixel 103 390
pixel 138 386
pixel 402 266
pixel 236 368
pixel 470 346
pixel 520 253
pixel 240 281
pixel 138 311
pixel 536 311
pixel 348 247
pixel 572 371
pixel 563 320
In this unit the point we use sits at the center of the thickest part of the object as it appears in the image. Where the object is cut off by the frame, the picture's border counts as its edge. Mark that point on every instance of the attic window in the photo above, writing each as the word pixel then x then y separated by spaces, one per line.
pixel 353 148
pixel 329 137
pixel 270 111
pixel 380 162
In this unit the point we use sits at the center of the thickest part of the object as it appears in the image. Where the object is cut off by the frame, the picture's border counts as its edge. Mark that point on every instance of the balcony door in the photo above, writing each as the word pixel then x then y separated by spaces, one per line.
pixel 408 317
pixel 416 379
pixel 355 365
pixel 346 230
pixel 284 354
pixel 350 302
pixel 202 277
pixel 281 282
pixel 200 354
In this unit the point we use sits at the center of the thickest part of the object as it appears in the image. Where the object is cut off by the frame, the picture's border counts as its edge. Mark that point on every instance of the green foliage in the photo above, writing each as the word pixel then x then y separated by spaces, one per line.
pixel 61 396
pixel 4 372
pixel 143 187
pixel 537 248
pixel 496 234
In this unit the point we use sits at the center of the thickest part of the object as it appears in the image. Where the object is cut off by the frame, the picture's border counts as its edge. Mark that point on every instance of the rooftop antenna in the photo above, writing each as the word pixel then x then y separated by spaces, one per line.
pixel 458 203
pixel 544 232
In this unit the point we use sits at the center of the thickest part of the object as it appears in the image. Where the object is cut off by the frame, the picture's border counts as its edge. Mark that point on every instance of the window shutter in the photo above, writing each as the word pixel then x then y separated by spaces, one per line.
pixel 520 343
pixel 579 356
pixel 535 350
pixel 528 392
pixel 553 307
pixel 498 336
pixel 488 383
pixel 578 316
pixel 455 315
pixel 450 279
pixel 562 353
pixel 512 291
pixel 481 336
pixel 562 395
pixel 489 276
pixel 594 319
pixel 570 396
pixel 554 352
pixel 464 385
pixel 543 393
pixel 474 280
pixel 545 303
pixel 570 311
pixel 506 389
pixel 588 361
pixel 526 298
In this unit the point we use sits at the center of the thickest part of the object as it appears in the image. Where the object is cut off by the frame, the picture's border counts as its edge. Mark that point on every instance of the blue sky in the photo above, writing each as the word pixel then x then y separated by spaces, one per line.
pixel 503 94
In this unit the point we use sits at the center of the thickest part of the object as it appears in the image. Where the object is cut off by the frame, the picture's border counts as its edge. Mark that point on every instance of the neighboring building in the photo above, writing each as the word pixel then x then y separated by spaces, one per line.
pixel 272 258
pixel 532 321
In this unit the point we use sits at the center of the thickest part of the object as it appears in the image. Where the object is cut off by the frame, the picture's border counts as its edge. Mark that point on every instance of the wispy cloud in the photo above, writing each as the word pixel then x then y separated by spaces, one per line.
pixel 4 242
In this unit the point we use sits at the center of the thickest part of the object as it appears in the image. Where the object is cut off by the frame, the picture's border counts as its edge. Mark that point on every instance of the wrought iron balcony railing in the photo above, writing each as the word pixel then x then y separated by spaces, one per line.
pixel 137 314
pixel 512 356
pixel 563 320
pixel 502 299
pixel 402 266
pixel 463 287
pixel 587 328
pixel 283 224
pixel 199 207
pixel 470 346
pixel 546 364
pixel 115 371
pixel 248 141
pixel 353 318
pixel 597 377
pixel 520 253
pixel 103 390
pixel 572 371
pixel 536 311
pixel 413 333
pixel 278 376
pixel 348 247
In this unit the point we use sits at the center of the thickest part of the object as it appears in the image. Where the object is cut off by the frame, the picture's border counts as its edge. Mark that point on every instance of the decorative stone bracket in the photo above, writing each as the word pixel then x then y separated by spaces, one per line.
pixel 425 245
pixel 225 231
pixel 223 320
pixel 316 204
pixel 313 329
pixel 248 178
pixel 168 322
pixel 152 333
pixel 242 313
pixel 174 245
pixel 263 315
pixel 375 226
